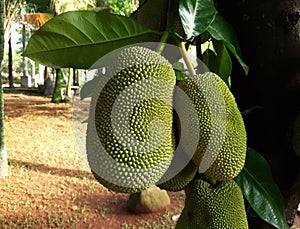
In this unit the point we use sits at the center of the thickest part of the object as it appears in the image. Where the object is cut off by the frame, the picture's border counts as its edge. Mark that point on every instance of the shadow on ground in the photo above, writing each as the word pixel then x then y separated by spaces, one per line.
pixel 50 170
pixel 25 91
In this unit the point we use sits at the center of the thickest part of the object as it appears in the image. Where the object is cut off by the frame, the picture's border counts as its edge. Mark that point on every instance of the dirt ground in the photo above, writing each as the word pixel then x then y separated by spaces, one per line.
pixel 50 185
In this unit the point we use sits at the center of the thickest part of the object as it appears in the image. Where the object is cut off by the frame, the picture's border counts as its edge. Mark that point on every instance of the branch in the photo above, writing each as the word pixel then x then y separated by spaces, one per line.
pixel 186 59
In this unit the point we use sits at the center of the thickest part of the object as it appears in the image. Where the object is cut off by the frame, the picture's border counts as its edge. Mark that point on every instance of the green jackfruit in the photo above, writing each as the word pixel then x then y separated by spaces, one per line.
pixel 182 170
pixel 221 135
pixel 213 207
pixel 296 135
pixel 181 180
pixel 130 140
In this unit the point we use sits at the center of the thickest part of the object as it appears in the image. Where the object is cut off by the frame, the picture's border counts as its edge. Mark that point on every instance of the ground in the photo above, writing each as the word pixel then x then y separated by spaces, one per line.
pixel 50 185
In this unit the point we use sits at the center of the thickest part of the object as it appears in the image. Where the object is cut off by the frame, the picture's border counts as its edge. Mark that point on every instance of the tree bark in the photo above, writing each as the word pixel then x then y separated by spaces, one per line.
pixel 57 95
pixel 24 60
pixel 10 65
pixel 269 35
pixel 3 155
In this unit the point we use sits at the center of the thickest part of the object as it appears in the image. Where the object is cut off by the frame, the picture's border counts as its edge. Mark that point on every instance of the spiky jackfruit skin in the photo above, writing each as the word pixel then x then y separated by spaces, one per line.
pixel 182 169
pixel 221 149
pixel 130 143
pixel 213 207
pixel 181 180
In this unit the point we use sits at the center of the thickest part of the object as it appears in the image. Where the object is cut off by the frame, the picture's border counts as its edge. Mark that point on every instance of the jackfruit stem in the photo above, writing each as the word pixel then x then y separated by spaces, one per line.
pixel 212 182
pixel 186 58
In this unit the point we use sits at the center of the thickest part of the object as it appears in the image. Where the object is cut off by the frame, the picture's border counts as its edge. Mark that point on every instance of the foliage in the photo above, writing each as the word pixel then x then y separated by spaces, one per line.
pixel 196 16
pixel 12 9
pixel 17 80
pixel 17 62
pixel 37 19
pixel 37 6
pixel 60 6
pixel 125 7
pixel 78 39
pixel 260 190
pixel 52 45
pixel 40 2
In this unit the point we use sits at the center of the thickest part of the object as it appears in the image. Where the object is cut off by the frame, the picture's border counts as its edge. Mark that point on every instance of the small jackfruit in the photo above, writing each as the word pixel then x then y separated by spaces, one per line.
pixel 213 207
pixel 130 140
pixel 214 122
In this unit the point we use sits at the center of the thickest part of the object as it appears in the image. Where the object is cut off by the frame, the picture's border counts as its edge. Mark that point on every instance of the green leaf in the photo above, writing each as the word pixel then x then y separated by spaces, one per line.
pixel 40 2
pixel 258 187
pixel 79 38
pixel 180 70
pixel 196 15
pixel 219 61
pixel 180 75
pixel 222 31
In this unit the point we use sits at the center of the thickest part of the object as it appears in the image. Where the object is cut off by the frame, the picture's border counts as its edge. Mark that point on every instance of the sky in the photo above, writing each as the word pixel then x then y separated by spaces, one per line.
pixel 15 36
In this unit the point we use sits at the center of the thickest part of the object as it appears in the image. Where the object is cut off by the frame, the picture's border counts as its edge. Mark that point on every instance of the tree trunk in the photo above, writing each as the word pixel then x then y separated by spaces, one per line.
pixel 268 32
pixel 3 155
pixel 75 77
pixel 25 64
pixel 69 83
pixel 45 72
pixel 10 65
pixel 59 85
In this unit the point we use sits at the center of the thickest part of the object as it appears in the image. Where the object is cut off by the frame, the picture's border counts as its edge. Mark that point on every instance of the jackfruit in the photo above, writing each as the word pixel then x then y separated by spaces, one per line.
pixel 296 135
pixel 213 207
pixel 130 139
pixel 221 135
pixel 181 180
pixel 182 170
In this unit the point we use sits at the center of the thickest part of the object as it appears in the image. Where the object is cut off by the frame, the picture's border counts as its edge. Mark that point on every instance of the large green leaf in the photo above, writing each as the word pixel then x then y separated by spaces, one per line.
pixel 219 61
pixel 257 185
pixel 222 31
pixel 79 38
pixel 196 15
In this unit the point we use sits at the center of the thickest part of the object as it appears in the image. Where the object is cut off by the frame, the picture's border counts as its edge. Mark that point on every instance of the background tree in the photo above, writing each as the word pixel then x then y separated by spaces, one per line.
pixel 11 14
pixel 8 12
pixel 3 155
